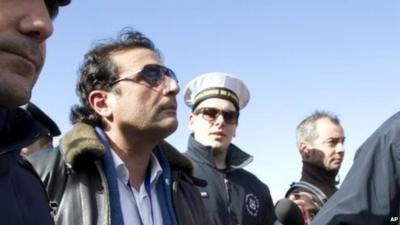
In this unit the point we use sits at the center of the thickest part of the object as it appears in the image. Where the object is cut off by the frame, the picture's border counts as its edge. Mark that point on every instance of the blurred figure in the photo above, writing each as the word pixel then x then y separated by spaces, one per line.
pixel 25 26
pixel 233 195
pixel 49 129
pixel 370 193
pixel 320 141
pixel 113 166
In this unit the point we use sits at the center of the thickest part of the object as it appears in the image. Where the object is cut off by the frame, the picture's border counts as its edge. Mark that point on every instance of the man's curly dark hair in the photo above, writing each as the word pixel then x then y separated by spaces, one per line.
pixel 98 71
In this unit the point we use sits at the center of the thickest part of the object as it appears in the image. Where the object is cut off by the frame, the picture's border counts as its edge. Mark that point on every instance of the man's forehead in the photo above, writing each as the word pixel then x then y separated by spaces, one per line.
pixel 139 57
pixel 328 128
pixel 217 102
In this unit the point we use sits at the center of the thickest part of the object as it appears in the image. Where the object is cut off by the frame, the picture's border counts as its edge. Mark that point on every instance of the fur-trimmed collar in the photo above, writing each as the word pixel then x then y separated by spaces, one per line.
pixel 80 145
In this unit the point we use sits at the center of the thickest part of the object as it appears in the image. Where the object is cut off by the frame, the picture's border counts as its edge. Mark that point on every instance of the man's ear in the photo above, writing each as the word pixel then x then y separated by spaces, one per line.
pixel 191 123
pixel 304 149
pixel 98 101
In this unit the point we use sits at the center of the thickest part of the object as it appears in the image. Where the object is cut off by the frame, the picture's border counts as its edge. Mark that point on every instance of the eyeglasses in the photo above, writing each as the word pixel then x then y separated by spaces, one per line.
pixel 152 74
pixel 210 114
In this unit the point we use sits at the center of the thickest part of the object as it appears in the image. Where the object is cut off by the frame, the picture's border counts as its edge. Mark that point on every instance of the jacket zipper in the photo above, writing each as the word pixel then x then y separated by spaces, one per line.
pixel 232 216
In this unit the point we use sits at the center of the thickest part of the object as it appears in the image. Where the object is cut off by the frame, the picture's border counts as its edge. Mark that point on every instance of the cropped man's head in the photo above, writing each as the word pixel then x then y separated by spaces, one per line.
pixel 25 26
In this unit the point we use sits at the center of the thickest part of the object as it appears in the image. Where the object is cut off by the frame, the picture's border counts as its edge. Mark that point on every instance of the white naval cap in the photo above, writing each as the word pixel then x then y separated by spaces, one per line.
pixel 216 85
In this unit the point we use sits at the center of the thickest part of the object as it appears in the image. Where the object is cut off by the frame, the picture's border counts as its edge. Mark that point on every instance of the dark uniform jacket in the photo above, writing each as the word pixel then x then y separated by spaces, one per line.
pixel 23 199
pixel 233 195
pixel 77 184
pixel 370 193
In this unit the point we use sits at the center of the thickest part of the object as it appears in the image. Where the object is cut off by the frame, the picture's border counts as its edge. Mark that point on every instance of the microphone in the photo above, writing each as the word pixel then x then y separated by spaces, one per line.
pixel 288 213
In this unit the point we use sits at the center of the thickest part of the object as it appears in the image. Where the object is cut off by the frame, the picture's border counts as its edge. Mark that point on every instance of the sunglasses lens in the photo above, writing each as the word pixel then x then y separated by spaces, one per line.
pixel 154 74
pixel 229 117
pixel 168 72
pixel 210 114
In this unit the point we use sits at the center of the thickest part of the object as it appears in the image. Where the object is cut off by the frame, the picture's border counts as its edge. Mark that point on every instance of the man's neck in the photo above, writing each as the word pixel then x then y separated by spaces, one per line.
pixel 220 158
pixel 135 153
pixel 137 165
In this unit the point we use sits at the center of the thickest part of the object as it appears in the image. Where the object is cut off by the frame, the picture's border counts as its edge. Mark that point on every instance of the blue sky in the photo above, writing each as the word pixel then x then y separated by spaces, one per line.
pixel 295 56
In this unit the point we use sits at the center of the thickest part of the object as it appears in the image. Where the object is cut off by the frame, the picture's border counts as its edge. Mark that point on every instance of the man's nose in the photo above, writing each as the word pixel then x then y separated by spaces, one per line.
pixel 340 147
pixel 36 22
pixel 219 119
pixel 171 86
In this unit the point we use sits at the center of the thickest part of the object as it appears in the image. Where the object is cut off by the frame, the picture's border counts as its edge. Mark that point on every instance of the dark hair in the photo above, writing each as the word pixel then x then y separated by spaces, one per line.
pixel 306 130
pixel 98 71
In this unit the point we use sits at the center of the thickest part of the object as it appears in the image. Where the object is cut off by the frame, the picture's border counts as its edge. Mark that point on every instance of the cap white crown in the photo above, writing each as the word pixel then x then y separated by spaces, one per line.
pixel 215 80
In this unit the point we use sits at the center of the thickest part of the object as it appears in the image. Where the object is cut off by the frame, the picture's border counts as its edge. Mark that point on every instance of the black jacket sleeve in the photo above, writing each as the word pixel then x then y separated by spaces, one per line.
pixel 370 192
pixel 50 166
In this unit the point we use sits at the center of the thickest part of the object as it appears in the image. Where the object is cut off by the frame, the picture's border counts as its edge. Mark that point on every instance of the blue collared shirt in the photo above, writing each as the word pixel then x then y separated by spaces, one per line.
pixel 138 206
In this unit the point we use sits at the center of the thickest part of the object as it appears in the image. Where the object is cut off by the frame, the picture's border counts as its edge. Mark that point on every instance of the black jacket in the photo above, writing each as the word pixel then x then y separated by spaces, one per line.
pixel 370 193
pixel 318 182
pixel 76 181
pixel 233 195
pixel 23 199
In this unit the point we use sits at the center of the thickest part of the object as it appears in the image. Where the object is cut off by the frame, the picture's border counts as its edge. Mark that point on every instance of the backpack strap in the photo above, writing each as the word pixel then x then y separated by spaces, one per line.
pixel 309 187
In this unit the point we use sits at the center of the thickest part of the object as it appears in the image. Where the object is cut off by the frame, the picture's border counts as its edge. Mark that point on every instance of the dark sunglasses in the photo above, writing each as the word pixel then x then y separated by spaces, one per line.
pixel 210 114
pixel 153 74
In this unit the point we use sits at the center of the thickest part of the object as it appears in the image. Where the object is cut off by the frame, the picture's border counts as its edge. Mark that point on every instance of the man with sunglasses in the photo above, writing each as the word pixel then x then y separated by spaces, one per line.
pixel 25 26
pixel 233 195
pixel 113 167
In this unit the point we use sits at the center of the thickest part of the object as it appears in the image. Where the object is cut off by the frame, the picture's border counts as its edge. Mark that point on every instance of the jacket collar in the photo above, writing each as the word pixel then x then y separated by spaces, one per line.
pixel 81 144
pixel 235 159
pixel 17 129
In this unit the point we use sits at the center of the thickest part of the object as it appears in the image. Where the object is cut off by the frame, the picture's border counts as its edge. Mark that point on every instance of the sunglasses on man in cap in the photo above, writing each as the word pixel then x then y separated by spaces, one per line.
pixel 210 114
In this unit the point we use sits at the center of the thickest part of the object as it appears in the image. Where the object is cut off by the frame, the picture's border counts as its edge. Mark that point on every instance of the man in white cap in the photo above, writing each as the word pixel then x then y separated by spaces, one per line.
pixel 233 195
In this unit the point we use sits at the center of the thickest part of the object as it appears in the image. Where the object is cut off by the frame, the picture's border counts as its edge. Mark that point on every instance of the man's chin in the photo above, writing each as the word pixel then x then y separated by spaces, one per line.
pixel 334 168
pixel 14 93
pixel 217 145
pixel 13 101
pixel 170 126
